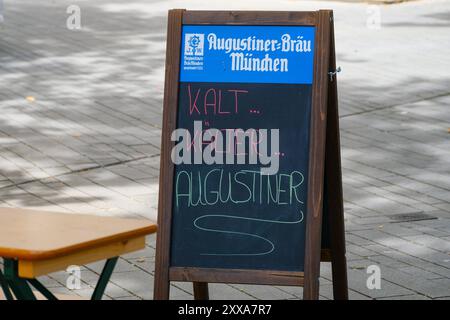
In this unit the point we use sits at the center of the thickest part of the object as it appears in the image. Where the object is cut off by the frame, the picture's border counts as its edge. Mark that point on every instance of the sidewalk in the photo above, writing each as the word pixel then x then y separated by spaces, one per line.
pixel 81 114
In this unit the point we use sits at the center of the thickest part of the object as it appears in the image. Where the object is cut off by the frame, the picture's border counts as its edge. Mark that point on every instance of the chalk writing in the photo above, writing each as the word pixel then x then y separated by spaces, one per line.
pixel 245 234
pixel 212 101
pixel 243 186
pixel 213 153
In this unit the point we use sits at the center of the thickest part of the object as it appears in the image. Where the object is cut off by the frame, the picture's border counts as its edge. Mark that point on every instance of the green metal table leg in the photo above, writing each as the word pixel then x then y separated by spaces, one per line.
pixel 11 281
pixel 104 279
pixel 40 287
pixel 5 287
pixel 19 286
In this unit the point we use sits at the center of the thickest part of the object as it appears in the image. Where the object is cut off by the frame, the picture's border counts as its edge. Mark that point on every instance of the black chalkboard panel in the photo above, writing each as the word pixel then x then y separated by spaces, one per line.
pixel 229 215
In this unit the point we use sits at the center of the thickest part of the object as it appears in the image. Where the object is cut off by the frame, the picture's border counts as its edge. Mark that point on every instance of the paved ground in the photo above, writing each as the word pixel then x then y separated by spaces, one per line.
pixel 81 116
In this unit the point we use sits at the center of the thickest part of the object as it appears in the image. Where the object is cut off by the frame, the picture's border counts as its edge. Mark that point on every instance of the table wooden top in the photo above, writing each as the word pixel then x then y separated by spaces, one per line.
pixel 34 235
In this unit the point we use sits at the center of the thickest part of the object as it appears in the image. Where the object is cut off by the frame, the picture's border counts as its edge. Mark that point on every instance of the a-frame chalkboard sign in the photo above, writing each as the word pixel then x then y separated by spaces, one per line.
pixel 250 182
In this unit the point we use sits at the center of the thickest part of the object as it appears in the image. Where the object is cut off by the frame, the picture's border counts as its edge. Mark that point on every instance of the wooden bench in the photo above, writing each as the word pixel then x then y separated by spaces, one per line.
pixel 34 243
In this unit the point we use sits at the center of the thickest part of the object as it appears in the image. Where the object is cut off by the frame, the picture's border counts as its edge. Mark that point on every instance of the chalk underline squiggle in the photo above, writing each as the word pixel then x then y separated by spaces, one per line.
pixel 272 246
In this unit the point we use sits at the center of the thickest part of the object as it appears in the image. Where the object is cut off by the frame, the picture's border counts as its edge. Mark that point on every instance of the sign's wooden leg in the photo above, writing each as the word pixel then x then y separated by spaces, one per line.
pixel 339 271
pixel 161 290
pixel 201 291
pixel 317 157
pixel 162 263
pixel 311 289
pixel 334 185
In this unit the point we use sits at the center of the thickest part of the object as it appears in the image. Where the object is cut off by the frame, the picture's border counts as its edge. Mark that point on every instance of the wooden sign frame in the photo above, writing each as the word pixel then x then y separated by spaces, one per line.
pixel 324 162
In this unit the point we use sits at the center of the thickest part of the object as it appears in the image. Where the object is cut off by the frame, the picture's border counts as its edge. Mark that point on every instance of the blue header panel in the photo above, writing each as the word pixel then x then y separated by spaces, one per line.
pixel 247 54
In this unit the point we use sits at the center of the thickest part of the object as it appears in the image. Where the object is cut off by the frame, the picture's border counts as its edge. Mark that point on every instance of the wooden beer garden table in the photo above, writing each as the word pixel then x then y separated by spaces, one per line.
pixel 34 243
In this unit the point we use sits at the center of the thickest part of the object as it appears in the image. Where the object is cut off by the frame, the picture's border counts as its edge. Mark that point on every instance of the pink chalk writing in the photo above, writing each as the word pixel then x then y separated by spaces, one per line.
pixel 211 101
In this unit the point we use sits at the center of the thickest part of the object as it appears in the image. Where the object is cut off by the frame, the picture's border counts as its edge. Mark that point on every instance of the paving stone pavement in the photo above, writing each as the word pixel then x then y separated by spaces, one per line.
pixel 81 118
